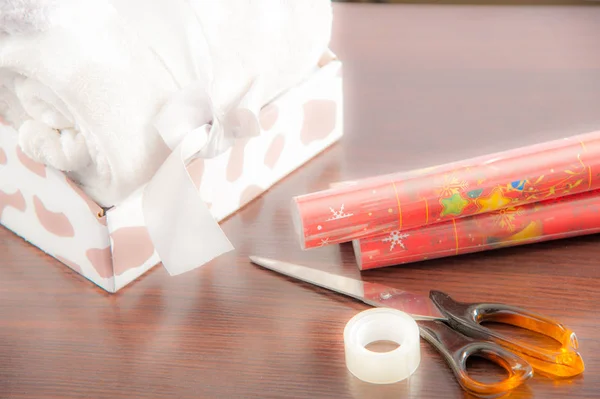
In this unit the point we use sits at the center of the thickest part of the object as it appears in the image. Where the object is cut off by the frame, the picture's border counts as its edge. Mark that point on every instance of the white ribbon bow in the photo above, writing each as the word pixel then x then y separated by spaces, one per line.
pixel 184 232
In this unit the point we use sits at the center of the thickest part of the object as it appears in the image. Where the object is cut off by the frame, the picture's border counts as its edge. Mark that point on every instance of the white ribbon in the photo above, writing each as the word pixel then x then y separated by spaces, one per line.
pixel 184 232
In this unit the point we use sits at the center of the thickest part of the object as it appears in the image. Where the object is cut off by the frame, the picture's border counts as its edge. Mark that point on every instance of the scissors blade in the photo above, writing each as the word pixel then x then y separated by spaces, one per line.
pixel 418 306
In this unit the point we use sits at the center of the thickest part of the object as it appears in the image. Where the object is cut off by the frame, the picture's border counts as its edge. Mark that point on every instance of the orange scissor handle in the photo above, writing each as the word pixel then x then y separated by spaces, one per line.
pixel 467 318
pixel 457 348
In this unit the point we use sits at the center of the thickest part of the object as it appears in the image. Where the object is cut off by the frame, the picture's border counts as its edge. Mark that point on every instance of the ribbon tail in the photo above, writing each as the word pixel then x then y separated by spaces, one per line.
pixel 184 232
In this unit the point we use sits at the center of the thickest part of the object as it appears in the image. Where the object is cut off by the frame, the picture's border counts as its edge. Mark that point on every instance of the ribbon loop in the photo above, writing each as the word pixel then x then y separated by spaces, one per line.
pixel 187 110
pixel 239 120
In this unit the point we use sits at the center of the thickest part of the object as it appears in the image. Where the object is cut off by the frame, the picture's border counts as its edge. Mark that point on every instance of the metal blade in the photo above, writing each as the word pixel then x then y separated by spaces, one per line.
pixel 340 284
pixel 418 306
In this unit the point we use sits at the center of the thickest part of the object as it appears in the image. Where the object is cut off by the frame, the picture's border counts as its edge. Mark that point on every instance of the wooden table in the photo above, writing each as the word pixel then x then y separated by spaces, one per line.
pixel 424 85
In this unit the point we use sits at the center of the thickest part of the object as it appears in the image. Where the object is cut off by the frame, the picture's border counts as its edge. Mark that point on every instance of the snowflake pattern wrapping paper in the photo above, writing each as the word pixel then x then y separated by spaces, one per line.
pixel 404 201
pixel 553 219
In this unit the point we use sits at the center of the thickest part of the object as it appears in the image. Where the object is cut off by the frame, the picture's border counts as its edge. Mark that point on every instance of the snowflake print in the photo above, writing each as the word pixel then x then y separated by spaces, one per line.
pixel 505 218
pixel 451 185
pixel 395 238
pixel 339 214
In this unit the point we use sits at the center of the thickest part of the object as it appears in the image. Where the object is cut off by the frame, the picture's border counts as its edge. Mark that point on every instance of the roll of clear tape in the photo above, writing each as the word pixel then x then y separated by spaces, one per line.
pixel 382 324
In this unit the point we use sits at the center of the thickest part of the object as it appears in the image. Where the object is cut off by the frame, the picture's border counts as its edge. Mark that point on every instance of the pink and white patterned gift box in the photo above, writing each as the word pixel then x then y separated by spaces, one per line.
pixel 112 247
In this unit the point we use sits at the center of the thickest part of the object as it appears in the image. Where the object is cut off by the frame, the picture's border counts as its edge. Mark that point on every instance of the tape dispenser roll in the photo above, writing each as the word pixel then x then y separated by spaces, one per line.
pixel 382 324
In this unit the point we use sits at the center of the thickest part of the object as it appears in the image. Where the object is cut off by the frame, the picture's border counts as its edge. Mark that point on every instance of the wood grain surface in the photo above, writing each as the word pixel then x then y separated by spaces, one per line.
pixel 424 85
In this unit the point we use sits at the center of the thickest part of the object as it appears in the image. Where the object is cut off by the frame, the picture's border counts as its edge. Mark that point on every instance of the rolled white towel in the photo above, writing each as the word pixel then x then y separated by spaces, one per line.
pixel 82 95
pixel 24 16
pixel 85 89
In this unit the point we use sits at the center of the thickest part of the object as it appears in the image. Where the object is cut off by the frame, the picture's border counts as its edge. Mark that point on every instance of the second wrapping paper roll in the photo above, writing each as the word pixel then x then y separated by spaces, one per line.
pixel 480 185
pixel 553 219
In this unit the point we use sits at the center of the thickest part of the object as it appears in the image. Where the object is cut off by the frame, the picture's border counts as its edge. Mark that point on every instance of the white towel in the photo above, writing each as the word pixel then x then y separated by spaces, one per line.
pixel 84 92
pixel 24 16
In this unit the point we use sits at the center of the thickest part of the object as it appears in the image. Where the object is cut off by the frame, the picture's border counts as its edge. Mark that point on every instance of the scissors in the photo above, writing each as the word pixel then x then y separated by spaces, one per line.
pixel 454 329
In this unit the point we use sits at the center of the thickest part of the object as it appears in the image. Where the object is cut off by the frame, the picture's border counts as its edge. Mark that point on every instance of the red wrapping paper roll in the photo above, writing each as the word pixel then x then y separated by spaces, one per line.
pixel 408 200
pixel 564 217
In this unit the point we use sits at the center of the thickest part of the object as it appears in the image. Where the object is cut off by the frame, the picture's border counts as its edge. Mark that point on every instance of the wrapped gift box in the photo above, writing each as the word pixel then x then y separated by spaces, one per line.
pixel 112 247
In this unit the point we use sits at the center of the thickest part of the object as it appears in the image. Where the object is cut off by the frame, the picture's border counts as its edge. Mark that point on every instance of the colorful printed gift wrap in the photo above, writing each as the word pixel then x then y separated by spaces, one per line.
pixel 404 201
pixel 112 247
pixel 563 217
